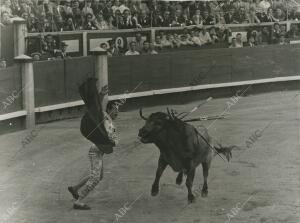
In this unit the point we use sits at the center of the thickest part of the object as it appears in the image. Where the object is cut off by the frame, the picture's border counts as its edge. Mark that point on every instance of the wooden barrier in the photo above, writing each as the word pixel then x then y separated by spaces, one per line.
pixel 55 86
pixel 11 93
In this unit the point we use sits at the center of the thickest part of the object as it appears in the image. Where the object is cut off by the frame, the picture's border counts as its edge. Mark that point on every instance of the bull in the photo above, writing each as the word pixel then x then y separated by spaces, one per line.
pixel 182 147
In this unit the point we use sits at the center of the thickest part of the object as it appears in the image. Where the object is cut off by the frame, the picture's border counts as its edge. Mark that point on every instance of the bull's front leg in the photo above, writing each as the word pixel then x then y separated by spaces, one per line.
pixel 162 164
pixel 189 184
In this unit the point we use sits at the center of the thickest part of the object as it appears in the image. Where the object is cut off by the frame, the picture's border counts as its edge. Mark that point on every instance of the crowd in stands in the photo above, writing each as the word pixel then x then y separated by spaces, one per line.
pixel 68 15
pixel 195 37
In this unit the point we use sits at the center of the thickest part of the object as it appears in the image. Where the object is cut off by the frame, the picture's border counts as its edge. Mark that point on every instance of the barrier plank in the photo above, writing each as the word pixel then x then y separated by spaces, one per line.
pixel 119 77
pixel 76 70
pixel 159 71
pixel 49 82
pixel 11 89
pixel 7 43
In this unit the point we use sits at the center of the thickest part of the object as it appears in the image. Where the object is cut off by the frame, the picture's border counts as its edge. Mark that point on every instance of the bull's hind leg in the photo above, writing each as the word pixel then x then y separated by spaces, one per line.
pixel 205 168
pixel 179 178
pixel 162 164
pixel 189 184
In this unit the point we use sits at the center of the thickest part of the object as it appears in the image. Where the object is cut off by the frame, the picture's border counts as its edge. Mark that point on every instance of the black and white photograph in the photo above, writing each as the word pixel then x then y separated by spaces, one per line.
pixel 150 111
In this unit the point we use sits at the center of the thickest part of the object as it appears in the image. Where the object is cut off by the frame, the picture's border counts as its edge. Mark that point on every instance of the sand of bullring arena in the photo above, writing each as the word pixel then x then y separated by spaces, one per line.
pixel 260 184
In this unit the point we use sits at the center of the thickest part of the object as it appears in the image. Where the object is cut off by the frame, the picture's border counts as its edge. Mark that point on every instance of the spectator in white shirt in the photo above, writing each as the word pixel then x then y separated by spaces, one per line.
pixel 234 44
pixel 204 37
pixel 195 37
pixel 239 41
pixel 132 49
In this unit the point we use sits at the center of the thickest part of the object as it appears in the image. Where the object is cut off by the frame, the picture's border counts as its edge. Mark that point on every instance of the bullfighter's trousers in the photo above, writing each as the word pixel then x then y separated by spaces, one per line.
pixel 96 171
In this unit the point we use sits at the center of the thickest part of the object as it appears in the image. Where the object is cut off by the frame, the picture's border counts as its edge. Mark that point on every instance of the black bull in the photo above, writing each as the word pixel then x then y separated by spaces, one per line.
pixel 182 147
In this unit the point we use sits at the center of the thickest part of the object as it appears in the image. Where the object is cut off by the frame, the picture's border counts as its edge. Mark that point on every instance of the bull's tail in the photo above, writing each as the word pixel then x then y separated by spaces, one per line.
pixel 224 150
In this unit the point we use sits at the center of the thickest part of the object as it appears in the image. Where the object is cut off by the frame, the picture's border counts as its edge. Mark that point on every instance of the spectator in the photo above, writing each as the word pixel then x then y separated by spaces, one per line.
pixel 293 33
pixel 283 29
pixel 97 6
pixel 106 48
pixel 107 10
pixel 239 41
pixel 252 16
pixel 49 45
pixel 184 41
pixel 166 41
pixel 268 17
pixel 113 48
pixel 2 63
pixel 240 16
pixel 276 33
pixel 36 56
pixel 185 20
pixel 124 6
pixel 213 35
pixel 139 42
pixel 208 19
pixel 146 48
pixel 116 6
pixel 89 23
pixel 229 16
pixel 166 20
pixel 69 25
pixel 132 49
pixel 128 22
pixel 87 9
pixel 6 7
pixel 152 49
pixel 265 36
pixel 195 37
pixel 279 15
pixel 76 16
pixel 255 6
pixel 110 23
pixel 144 20
pixel 177 40
pixel 282 40
pixel 177 20
pixel 220 19
pixel 278 4
pixel 264 5
pixel 174 40
pixel 234 44
pixel 204 37
pixel 5 18
pixel 158 45
pixel 251 42
pixel 100 22
pixel 197 18
pixel 61 53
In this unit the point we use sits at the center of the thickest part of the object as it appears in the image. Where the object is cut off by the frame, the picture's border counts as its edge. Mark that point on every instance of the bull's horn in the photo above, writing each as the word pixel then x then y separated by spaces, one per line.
pixel 141 114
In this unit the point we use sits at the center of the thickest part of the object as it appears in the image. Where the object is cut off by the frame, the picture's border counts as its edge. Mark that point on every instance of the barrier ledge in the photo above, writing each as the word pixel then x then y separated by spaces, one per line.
pixel 89 31
pixel 59 106
pixel 151 93
pixel 157 28
pixel 13 115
